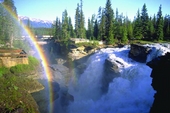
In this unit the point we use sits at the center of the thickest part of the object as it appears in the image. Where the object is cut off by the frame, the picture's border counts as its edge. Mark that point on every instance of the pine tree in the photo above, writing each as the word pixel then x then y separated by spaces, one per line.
pixel 154 25
pixel 88 33
pixel 99 15
pixel 101 23
pixel 82 21
pixel 65 32
pixel 159 27
pixel 130 30
pixel 96 30
pixel 58 31
pixel 144 22
pixel 151 29
pixel 109 23
pixel 137 26
pixel 70 28
pixel 77 21
pixel 118 25
pixel 10 25
pixel 90 27
pixel 166 26
pixel 124 38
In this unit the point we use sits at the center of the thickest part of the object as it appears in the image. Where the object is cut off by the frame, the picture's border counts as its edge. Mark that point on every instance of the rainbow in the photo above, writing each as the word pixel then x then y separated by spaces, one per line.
pixel 40 53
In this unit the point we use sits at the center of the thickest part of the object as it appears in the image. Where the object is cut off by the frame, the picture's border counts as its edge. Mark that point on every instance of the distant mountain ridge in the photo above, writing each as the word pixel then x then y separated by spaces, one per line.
pixel 36 23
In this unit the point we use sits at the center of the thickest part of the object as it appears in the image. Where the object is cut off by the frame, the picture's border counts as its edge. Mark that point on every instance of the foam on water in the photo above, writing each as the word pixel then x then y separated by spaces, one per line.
pixel 158 50
pixel 130 93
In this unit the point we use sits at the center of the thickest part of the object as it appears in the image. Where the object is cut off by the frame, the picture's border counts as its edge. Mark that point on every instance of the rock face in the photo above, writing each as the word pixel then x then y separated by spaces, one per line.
pixel 139 53
pixel 111 71
pixel 160 74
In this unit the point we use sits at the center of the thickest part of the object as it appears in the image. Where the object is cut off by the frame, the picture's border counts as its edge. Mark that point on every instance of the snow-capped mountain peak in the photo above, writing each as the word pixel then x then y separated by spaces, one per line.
pixel 36 23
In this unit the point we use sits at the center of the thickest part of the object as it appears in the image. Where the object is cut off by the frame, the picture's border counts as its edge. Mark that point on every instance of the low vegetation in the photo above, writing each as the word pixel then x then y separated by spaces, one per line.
pixel 15 90
pixel 23 68
pixel 93 44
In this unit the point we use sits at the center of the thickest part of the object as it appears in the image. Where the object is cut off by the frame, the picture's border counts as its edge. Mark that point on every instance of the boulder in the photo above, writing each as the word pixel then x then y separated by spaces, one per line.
pixel 111 71
pixel 160 80
pixel 139 52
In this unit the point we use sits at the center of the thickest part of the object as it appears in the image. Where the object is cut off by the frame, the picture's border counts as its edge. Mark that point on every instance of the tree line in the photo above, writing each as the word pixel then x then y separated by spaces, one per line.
pixel 113 27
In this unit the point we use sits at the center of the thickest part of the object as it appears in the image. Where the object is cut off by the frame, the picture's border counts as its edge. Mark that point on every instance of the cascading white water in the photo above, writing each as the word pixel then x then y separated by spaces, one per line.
pixel 129 93
pixel 158 50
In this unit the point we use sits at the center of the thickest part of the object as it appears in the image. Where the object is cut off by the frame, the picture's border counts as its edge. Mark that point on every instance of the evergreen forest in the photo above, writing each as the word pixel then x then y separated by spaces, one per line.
pixel 108 25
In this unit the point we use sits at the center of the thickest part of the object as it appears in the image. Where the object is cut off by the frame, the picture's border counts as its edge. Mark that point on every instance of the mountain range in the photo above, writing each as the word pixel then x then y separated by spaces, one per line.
pixel 36 23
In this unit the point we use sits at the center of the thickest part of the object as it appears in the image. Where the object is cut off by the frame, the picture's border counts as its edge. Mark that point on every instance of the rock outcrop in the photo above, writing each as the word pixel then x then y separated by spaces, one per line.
pixel 111 71
pixel 12 57
pixel 139 52
pixel 80 52
pixel 160 74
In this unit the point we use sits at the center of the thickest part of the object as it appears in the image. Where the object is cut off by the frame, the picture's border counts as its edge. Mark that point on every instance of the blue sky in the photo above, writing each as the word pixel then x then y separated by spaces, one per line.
pixel 50 9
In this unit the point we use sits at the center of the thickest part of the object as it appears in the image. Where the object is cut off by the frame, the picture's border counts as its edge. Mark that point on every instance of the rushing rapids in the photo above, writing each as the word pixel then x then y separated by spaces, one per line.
pixel 129 93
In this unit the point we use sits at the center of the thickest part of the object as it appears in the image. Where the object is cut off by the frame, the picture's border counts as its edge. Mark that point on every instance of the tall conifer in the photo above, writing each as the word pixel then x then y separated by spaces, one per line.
pixel 159 27
pixel 109 23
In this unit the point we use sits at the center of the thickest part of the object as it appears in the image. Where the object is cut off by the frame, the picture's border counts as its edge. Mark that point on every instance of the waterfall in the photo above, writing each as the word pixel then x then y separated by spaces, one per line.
pixel 158 50
pixel 130 93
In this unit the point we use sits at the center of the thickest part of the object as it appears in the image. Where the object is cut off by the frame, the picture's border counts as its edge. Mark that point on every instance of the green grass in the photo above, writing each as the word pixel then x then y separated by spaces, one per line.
pixel 15 90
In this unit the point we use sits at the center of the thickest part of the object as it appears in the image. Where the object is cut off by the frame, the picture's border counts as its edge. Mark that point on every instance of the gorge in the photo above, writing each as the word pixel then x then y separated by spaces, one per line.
pixel 123 87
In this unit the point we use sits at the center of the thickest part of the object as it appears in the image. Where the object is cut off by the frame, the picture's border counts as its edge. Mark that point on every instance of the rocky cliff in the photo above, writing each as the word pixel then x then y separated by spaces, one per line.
pixel 139 52
pixel 160 82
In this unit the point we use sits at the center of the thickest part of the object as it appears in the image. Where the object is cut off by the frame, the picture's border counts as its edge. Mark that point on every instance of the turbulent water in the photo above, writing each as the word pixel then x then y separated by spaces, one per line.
pixel 129 93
